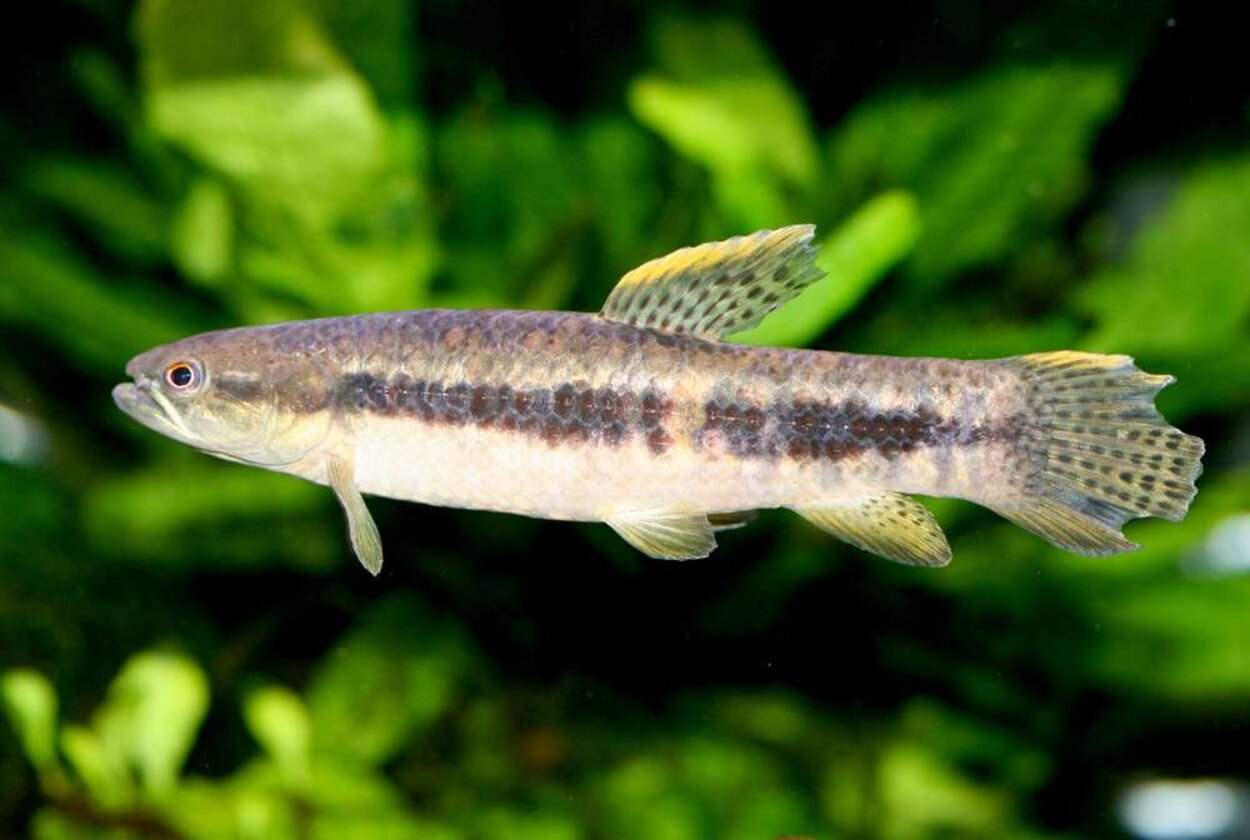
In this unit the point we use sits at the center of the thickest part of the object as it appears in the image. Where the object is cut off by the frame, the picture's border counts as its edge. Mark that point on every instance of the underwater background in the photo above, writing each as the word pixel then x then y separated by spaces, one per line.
pixel 189 649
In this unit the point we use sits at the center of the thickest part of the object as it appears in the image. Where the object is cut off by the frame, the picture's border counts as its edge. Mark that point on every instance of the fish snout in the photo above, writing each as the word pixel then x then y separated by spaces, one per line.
pixel 123 392
pixel 131 399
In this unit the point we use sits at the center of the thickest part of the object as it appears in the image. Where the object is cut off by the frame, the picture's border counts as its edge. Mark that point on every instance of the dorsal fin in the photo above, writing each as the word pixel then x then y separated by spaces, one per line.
pixel 717 288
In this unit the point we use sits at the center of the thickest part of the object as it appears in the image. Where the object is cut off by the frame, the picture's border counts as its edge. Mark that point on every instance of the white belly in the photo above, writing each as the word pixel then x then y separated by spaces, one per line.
pixel 492 470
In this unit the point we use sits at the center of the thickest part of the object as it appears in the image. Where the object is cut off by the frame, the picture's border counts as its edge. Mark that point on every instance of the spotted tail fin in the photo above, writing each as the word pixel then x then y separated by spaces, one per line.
pixel 1102 454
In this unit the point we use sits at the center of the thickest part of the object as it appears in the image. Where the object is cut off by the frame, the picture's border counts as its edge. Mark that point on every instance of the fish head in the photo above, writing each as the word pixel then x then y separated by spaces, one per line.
pixel 235 394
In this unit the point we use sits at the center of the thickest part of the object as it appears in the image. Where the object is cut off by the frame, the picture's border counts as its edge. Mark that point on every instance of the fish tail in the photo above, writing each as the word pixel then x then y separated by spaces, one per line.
pixel 1098 452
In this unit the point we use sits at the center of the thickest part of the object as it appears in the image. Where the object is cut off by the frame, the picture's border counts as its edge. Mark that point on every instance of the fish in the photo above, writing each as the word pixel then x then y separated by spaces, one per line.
pixel 644 417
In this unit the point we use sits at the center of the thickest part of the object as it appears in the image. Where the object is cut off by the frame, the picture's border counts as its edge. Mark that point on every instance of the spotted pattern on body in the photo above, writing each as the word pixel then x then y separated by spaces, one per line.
pixel 798 429
pixel 808 430
pixel 562 414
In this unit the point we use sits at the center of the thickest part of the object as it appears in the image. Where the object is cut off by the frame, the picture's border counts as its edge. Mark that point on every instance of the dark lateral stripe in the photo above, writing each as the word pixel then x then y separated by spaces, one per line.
pixel 807 430
pixel 241 388
pixel 564 414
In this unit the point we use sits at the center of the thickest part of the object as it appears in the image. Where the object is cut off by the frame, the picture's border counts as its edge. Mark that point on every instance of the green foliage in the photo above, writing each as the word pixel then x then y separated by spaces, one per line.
pixel 134 749
pixel 30 703
pixel 186 503
pixel 993 160
pixel 339 226
pixel 283 727
pixel 385 684
pixel 64 298
pixel 1007 185
pixel 1178 249
pixel 151 716
pixel 721 101
pixel 1180 293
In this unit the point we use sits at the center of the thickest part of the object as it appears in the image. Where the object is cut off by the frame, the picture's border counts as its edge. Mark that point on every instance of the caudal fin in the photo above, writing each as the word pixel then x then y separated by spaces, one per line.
pixel 1102 454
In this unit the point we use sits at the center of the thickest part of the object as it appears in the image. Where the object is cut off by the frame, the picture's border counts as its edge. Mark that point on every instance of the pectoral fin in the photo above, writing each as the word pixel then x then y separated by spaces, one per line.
pixel 889 524
pixel 666 536
pixel 366 541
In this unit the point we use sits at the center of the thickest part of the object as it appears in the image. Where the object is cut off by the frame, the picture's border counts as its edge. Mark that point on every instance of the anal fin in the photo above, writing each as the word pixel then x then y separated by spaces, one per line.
pixel 730 520
pixel 665 535
pixel 366 541
pixel 889 524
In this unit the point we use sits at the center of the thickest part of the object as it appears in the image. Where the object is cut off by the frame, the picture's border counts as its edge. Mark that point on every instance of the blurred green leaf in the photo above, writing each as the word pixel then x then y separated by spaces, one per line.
pixel 151 716
pixel 958 330
pixel 376 252
pixel 500 824
pixel 383 827
pixel 647 803
pixel 741 791
pixel 378 38
pixel 31 707
pixel 201 238
pixel 703 789
pixel 158 514
pixel 721 100
pixel 620 171
pixel 106 197
pixel 386 681
pixel 258 802
pixel 257 105
pixel 516 188
pixel 278 719
pixel 773 719
pixel 249 805
pixel 156 505
pixel 968 741
pixel 98 321
pixel 1182 288
pixel 1175 627
pixel 266 135
pixel 339 226
pixel 1181 638
pixel 1213 381
pixel 181 40
pixel 993 160
pixel 922 796
pixel 102 772
pixel 855 256
pixel 526 194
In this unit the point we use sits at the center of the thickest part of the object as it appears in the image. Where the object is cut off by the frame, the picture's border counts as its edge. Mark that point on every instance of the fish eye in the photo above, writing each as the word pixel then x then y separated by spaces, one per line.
pixel 183 375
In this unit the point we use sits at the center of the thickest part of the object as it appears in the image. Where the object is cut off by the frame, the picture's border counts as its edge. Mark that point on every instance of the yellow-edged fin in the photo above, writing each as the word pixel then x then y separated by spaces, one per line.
pixel 889 524
pixel 1103 453
pixel 718 288
pixel 1060 525
pixel 666 536
pixel 366 541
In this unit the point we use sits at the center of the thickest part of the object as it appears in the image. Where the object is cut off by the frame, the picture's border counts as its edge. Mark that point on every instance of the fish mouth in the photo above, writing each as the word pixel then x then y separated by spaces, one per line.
pixel 143 402
pixel 152 409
